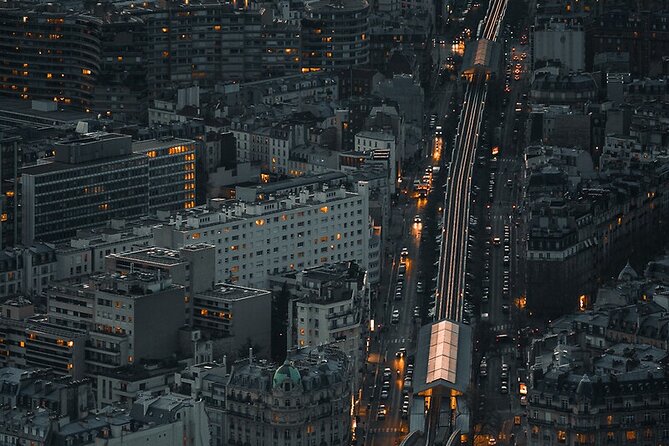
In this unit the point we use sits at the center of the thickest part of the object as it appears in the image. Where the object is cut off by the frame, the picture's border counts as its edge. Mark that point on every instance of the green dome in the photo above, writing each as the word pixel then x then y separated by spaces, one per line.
pixel 286 373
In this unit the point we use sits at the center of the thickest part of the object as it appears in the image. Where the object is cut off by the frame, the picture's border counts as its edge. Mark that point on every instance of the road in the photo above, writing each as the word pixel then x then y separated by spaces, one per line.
pixel 452 266
pixel 390 338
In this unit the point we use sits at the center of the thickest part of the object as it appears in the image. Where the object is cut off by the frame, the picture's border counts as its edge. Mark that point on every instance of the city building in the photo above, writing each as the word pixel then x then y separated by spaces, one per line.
pixel 90 181
pixel 30 341
pixel 559 42
pixel 329 303
pixel 118 314
pixel 86 252
pixel 335 35
pixel 10 217
pixel 171 172
pixel 585 393
pixel 306 400
pixel 191 266
pixel 53 56
pixel 201 42
pixel 233 317
pixel 289 232
pixel 164 419
pixel 27 270
pixel 121 88
pixel 582 226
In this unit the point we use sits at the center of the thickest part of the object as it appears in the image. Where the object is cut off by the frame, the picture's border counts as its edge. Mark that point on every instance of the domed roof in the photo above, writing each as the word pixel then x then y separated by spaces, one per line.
pixel 627 273
pixel 584 388
pixel 286 373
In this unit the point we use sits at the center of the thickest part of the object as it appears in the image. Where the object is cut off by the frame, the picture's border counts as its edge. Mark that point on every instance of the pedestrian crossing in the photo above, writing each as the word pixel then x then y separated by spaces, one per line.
pixel 398 341
pixel 501 328
pixel 388 430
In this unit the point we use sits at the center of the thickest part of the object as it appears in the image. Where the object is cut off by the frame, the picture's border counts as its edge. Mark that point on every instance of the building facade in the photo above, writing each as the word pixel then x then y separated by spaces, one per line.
pixel 171 172
pixel 91 180
pixel 49 56
pixel 335 35
pixel 278 234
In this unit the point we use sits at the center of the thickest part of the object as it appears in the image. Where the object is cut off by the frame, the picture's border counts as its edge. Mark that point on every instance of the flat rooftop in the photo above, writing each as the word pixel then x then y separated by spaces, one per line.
pixel 231 293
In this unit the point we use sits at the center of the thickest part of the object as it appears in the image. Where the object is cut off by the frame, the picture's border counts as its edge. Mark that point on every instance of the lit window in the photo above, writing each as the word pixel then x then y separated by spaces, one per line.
pixel 630 435
pixel 562 436
pixel 86 71
pixel 204 312
pixel 260 222
pixel 70 344
pixel 49 75
pixel 324 209
pixel 195 235
pixel 22 344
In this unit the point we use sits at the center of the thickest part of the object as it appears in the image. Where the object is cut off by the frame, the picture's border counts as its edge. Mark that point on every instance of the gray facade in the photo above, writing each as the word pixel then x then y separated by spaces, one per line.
pixel 91 181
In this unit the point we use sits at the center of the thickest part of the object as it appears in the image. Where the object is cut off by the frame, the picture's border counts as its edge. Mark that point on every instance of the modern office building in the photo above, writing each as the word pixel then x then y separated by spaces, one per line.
pixel 171 172
pixel 335 35
pixel 235 315
pixel 90 181
pixel 10 217
pixel 52 56
pixel 278 234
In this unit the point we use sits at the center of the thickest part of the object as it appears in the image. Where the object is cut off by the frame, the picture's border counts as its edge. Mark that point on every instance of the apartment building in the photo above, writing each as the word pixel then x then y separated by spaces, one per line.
pixel 10 218
pixel 330 303
pixel 234 316
pixel 307 400
pixel 52 56
pixel 30 341
pixel 257 239
pixel 86 252
pixel 190 266
pixel 335 35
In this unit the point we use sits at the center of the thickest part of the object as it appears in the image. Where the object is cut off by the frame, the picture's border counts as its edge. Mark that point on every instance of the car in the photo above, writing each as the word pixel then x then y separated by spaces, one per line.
pixel 387 373
pixel 385 385
pixel 381 415
pixel 420 287
pixel 503 389
pixel 384 394
pixel 398 295
pixel 401 353
pixel 505 367
pixel 523 400
pixel 492 441
pixel 395 319
pixel 405 414
pixel 496 241
pixel 417 219
pixel 416 311
pixel 404 253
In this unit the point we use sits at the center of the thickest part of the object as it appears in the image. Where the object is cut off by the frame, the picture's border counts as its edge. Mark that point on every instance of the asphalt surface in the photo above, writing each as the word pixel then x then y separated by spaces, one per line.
pixel 388 338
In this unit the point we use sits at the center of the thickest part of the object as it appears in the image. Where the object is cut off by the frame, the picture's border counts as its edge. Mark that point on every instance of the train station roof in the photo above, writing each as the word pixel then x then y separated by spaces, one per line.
pixel 443 357
pixel 482 54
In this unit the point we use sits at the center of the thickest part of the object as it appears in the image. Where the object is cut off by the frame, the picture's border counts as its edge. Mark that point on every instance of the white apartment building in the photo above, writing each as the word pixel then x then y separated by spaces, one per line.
pixel 290 232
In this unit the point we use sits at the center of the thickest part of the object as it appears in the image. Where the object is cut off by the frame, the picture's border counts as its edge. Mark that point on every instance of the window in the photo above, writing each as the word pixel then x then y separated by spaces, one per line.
pixel 562 436
pixel 630 436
